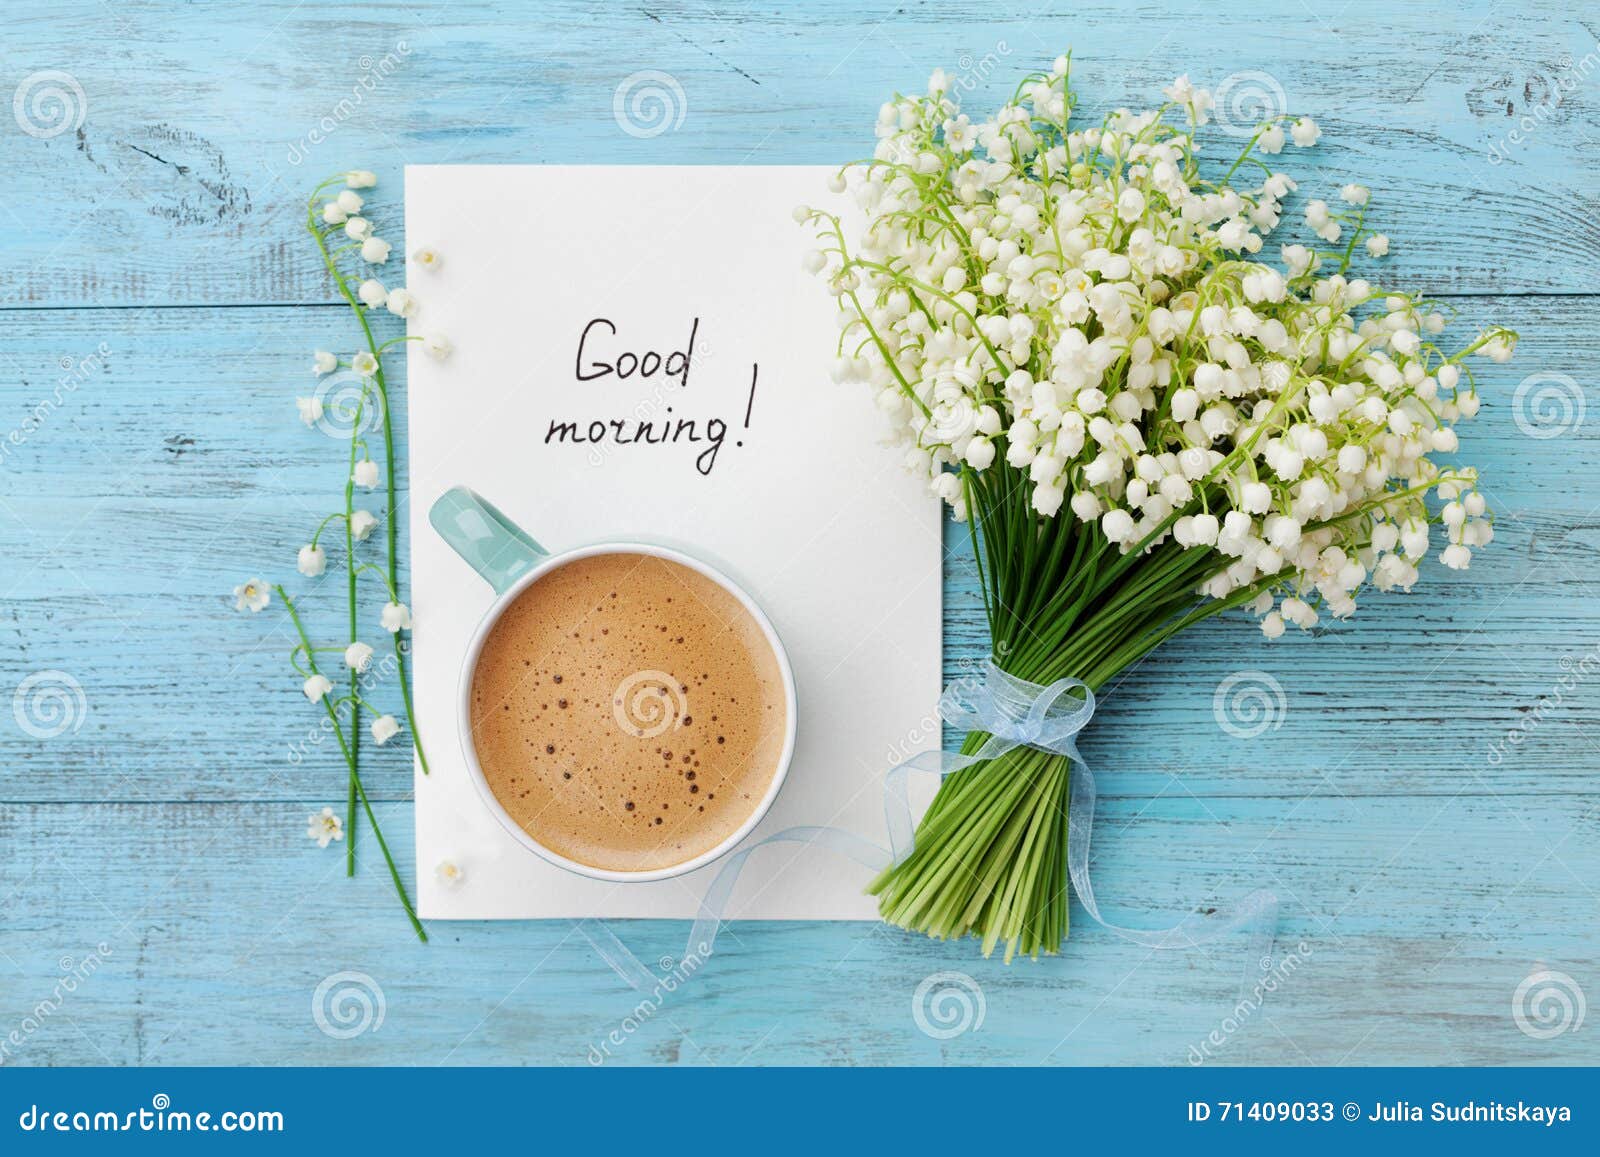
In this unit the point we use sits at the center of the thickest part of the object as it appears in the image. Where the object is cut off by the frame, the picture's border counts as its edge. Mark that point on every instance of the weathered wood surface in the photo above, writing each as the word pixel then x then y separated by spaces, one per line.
pixel 181 184
pixel 1428 862
pixel 221 919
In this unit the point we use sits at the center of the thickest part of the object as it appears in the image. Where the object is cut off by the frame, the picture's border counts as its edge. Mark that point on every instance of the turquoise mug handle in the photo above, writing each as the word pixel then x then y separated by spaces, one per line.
pixel 493 545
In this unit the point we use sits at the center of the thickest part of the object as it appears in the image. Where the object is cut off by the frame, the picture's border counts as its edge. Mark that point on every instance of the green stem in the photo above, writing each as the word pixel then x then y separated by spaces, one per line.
pixel 355 707
pixel 391 532
pixel 355 778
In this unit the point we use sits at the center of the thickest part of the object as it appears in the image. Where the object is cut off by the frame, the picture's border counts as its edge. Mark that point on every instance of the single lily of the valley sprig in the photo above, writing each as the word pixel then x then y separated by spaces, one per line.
pixel 340 213
pixel 350 250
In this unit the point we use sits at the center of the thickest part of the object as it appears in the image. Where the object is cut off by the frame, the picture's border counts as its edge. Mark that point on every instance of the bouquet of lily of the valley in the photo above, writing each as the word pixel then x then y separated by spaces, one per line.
pixel 1077 334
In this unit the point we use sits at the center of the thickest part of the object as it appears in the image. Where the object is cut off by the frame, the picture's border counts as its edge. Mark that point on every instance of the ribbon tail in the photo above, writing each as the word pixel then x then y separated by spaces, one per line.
pixel 703 936
pixel 617 954
pixel 1257 911
pixel 708 921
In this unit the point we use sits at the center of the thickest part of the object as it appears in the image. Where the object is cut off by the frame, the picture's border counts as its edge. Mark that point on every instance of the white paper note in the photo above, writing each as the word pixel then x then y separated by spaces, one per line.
pixel 802 505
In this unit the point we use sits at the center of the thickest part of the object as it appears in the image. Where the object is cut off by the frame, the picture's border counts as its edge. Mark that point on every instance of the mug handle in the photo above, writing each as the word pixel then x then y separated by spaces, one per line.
pixel 493 545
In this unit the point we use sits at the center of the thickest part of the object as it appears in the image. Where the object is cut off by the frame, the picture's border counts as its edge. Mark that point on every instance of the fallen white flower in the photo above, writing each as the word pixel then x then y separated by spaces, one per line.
pixel 251 596
pixel 325 827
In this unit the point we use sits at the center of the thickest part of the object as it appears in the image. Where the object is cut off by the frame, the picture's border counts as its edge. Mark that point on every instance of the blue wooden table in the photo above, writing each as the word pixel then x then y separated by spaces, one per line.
pixel 1425 804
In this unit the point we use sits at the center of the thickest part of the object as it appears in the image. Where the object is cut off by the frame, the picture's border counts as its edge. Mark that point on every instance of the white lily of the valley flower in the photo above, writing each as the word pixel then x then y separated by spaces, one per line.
pixel 325 827
pixel 323 362
pixel 310 410
pixel 402 302
pixel 372 294
pixel 360 179
pixel 350 201
pixel 1156 379
pixel 385 728
pixel 426 258
pixel 437 345
pixel 449 873
pixel 358 228
pixel 313 560
pixel 375 250
pixel 316 687
pixel 333 215
pixel 362 524
pixel 396 617
pixel 365 473
pixel 251 596
pixel 358 656
pixel 364 364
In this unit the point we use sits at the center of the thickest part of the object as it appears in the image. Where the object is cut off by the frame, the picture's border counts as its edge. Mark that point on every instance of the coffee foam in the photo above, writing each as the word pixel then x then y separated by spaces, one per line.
pixel 628 712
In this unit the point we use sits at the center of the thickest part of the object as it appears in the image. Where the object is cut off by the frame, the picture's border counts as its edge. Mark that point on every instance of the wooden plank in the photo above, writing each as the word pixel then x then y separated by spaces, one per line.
pixel 1411 921
pixel 180 183
pixel 177 468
